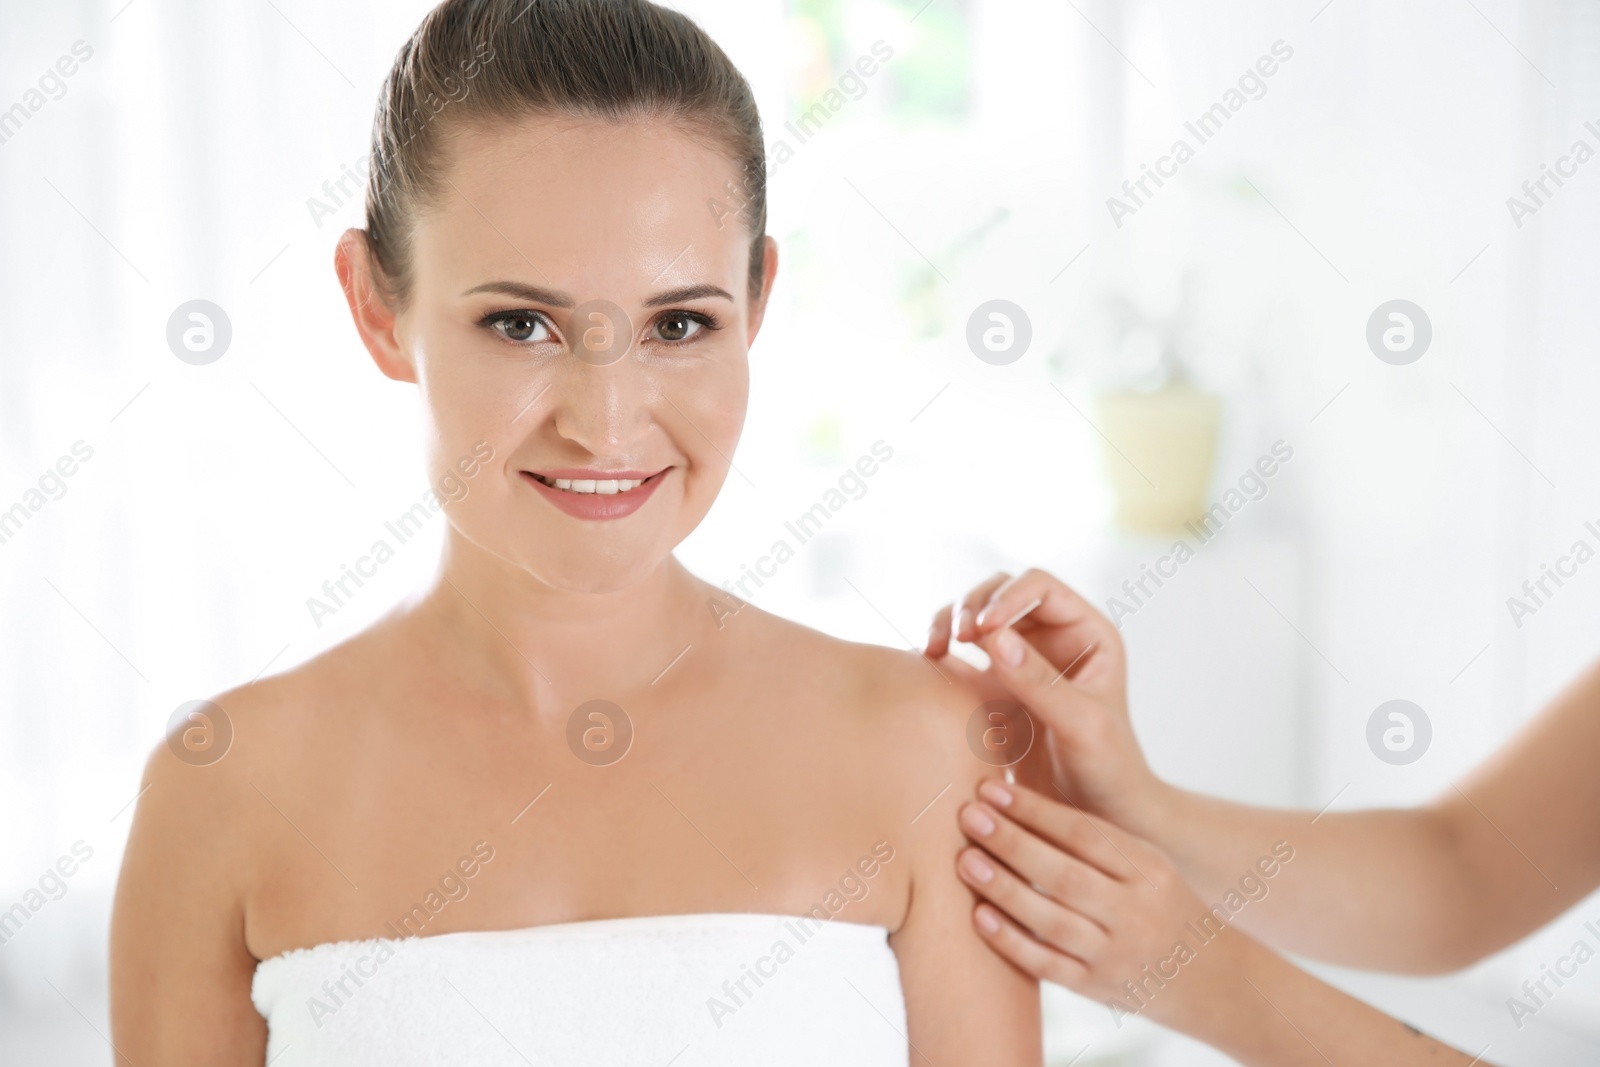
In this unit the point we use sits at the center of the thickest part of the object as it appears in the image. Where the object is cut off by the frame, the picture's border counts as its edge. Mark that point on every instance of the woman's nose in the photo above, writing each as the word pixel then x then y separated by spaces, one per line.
pixel 603 393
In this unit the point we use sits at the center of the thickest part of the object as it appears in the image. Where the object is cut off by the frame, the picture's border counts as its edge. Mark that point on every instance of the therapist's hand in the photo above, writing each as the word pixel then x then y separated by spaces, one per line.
pixel 1065 628
pixel 1072 899
pixel 1065 663
pixel 1076 901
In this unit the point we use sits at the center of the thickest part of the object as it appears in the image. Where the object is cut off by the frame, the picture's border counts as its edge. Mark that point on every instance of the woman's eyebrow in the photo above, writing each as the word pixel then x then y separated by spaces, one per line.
pixel 538 294
pixel 534 294
pixel 687 292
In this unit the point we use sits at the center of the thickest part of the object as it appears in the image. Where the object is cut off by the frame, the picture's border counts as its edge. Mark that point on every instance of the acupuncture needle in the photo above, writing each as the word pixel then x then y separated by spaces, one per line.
pixel 1018 617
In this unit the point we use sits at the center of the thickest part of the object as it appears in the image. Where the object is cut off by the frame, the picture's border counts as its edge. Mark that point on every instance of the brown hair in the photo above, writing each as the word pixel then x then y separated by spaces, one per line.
pixel 487 60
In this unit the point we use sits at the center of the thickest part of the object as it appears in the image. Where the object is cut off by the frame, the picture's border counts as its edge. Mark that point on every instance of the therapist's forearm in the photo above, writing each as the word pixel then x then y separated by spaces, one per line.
pixel 1500 852
pixel 1277 1015
pixel 1383 889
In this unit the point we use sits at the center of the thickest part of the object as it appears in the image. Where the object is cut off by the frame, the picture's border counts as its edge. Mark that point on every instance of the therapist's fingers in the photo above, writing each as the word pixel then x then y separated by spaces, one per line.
pixel 1024 951
pixel 938 643
pixel 1071 632
pixel 1148 931
pixel 1092 747
pixel 1060 603
pixel 1033 679
pixel 973 602
pixel 1071 829
pixel 1063 877
pixel 954 667
pixel 1060 925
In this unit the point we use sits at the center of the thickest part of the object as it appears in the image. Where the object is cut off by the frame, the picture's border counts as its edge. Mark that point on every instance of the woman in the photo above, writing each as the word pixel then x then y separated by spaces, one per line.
pixel 573 804
pixel 1092 893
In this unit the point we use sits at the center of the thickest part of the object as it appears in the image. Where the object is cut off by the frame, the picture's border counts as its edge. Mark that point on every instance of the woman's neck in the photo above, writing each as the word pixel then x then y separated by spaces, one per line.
pixel 553 647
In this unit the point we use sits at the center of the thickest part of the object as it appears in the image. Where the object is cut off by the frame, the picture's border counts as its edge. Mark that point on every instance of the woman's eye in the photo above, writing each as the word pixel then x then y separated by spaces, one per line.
pixel 521 326
pixel 677 326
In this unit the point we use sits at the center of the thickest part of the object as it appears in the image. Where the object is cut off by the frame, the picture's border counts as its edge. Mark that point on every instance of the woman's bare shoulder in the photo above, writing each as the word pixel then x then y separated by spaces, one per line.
pixel 198 846
pixel 915 711
pixel 283 708
pixel 207 770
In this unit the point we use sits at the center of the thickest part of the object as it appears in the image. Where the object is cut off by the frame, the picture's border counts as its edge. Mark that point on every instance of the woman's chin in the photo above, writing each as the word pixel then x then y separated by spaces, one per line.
pixel 593 573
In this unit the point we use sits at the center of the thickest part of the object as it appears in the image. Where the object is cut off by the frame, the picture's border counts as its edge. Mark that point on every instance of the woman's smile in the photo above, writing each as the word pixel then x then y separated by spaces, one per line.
pixel 596 494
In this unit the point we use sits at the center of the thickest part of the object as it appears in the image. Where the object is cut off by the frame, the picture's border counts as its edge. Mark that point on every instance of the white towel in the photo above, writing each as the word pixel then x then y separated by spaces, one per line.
pixel 689 990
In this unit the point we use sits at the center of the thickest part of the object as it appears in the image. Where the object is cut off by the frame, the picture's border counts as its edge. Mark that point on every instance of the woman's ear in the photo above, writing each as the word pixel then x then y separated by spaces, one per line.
pixel 374 319
pixel 769 271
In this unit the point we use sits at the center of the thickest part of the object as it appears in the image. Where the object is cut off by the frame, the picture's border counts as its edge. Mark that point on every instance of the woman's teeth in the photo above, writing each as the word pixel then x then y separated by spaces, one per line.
pixel 588 485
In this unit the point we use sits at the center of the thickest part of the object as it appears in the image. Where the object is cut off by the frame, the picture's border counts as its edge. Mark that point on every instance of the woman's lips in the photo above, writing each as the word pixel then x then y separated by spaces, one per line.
pixel 593 494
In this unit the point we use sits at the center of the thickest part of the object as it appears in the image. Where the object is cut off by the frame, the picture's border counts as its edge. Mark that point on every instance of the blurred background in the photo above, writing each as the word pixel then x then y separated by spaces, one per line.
pixel 1160 339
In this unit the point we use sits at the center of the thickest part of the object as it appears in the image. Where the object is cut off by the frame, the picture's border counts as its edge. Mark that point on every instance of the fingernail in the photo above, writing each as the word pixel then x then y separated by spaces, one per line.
pixel 987 922
pixel 977 821
pixel 985 614
pixel 976 869
pixel 1009 644
pixel 996 794
pixel 966 621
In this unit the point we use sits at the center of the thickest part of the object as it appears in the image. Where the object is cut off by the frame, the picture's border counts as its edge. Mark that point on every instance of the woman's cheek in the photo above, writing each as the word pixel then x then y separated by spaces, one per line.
pixel 716 401
pixel 466 406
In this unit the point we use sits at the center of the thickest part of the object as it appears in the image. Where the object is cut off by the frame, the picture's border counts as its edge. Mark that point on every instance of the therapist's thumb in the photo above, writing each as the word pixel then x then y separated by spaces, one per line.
pixel 1092 746
pixel 1031 678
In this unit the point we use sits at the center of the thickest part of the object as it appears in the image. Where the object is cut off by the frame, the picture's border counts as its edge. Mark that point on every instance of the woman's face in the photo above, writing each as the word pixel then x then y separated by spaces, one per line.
pixel 580 303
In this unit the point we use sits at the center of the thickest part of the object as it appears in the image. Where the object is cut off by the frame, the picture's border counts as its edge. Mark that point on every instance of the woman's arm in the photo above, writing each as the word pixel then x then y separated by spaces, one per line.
pixel 964 1004
pixel 1420 890
pixel 180 971
pixel 1116 922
